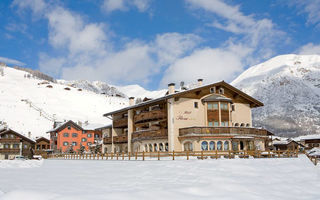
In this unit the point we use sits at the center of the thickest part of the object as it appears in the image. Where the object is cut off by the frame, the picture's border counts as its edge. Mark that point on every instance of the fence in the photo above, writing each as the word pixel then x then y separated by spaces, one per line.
pixel 182 154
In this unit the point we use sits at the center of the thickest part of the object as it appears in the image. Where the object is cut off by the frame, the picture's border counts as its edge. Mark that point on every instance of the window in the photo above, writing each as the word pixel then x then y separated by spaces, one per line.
pixel 219 145
pixel 16 146
pixel 213 90
pixel 6 146
pixel 188 146
pixel 233 107
pixel 224 106
pixel 242 125
pixel 226 124
pixel 89 135
pixel 247 125
pixel 66 135
pixel 96 135
pixel 222 123
pixel 6 136
pixel 204 146
pixel 236 124
pixel 226 146
pixel 221 91
pixel 11 136
pixel 145 148
pixel 25 146
pixel 65 143
pixel 167 147
pixel 74 143
pixel 235 146
pixel 83 132
pixel 83 139
pixel 155 147
pixel 89 143
pixel 216 123
pixel 74 134
pixel 150 147
pixel 160 147
pixel 210 123
pixel 211 145
pixel 196 105
pixel 69 127
pixel 212 106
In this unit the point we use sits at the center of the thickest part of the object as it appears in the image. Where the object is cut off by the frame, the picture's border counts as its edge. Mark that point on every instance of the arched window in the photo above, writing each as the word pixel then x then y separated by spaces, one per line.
pixel 248 125
pixel 226 146
pixel 167 147
pixel 235 146
pixel 146 148
pixel 236 124
pixel 188 146
pixel 155 147
pixel 242 125
pixel 204 146
pixel 150 147
pixel 212 145
pixel 160 147
pixel 219 145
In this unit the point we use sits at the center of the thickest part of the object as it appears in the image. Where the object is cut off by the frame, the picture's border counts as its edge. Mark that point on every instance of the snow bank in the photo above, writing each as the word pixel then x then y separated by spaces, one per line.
pixel 20 163
pixel 194 179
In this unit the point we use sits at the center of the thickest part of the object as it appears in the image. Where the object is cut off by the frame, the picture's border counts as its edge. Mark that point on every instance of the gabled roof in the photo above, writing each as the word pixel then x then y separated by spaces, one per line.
pixel 253 101
pixel 42 138
pixel 64 125
pixel 17 134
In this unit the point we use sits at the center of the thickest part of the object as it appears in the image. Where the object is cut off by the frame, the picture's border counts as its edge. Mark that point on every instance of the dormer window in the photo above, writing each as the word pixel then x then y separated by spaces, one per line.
pixel 221 91
pixel 69 127
pixel 213 90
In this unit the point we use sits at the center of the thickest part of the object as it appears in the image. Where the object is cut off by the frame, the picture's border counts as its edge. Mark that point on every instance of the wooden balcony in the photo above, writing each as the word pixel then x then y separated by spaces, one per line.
pixel 9 140
pixel 150 116
pixel 150 134
pixel 190 131
pixel 120 123
pixel 15 150
pixel 107 140
pixel 120 139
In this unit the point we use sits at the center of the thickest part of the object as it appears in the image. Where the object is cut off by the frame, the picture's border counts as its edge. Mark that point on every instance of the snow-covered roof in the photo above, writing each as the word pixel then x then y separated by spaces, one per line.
pixel 92 126
pixel 314 151
pixel 85 126
pixel 307 137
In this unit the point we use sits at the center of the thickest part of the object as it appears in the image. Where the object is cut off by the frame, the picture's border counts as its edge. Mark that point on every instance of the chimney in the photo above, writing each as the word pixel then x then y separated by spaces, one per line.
pixel 29 134
pixel 131 101
pixel 200 81
pixel 171 88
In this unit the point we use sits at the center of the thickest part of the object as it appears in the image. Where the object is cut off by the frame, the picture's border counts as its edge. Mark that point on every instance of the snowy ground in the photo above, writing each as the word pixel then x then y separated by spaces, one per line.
pixel 284 178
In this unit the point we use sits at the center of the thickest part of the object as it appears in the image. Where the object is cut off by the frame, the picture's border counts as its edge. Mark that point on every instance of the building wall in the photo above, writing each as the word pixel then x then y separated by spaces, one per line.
pixel 242 114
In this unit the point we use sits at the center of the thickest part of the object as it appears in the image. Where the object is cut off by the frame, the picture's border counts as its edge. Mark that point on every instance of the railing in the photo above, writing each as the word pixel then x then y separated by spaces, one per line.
pixel 180 154
pixel 150 134
pixel 120 123
pixel 107 140
pixel 9 140
pixel 15 150
pixel 221 130
pixel 149 116
pixel 120 139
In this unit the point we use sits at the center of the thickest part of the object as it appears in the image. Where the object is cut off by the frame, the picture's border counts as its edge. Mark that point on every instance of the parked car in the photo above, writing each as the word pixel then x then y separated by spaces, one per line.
pixel 19 158
pixel 38 157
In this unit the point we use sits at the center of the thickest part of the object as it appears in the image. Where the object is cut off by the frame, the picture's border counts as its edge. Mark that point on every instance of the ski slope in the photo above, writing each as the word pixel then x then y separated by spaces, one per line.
pixel 27 106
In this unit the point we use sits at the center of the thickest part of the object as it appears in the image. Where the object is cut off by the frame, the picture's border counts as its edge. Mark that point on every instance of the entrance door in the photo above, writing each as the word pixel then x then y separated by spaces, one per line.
pixel 241 145
pixel 6 156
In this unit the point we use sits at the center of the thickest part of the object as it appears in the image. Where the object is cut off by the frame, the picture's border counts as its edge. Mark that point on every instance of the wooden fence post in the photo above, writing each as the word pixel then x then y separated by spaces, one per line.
pixel 278 153
pixel 136 155
pixel 229 154
pixel 129 155
pixel 111 155
pixel 117 156
pixel 143 155
pixel 187 155
pixel 201 155
pixel 173 155
pixel 216 154
pixel 158 155
pixel 106 155
pixel 122 155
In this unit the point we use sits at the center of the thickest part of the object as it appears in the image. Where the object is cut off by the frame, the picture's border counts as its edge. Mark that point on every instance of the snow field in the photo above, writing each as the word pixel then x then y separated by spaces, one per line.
pixel 284 178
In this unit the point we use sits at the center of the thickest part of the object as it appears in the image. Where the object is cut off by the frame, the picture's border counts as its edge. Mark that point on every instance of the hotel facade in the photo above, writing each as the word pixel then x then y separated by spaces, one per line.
pixel 209 117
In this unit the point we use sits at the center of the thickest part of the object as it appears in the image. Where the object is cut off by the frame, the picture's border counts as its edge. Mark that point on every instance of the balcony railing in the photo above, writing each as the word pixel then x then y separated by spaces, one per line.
pixel 150 134
pixel 120 123
pixel 107 140
pixel 222 130
pixel 9 140
pixel 120 139
pixel 15 150
pixel 150 116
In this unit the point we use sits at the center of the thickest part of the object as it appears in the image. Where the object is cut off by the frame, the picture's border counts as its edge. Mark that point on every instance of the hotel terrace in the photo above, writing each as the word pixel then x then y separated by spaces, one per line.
pixel 206 118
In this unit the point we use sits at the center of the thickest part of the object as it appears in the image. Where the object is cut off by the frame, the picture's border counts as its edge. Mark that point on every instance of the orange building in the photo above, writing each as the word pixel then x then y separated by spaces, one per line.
pixel 71 135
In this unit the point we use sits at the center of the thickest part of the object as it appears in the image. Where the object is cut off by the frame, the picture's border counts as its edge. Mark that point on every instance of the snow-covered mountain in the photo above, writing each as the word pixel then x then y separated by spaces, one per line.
pixel 139 92
pixel 289 86
pixel 30 104
pixel 97 87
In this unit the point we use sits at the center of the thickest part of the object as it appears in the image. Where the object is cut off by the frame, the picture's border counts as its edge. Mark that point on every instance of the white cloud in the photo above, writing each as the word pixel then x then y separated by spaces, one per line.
pixel 124 5
pixel 11 61
pixel 309 49
pixel 51 65
pixel 37 6
pixel 311 8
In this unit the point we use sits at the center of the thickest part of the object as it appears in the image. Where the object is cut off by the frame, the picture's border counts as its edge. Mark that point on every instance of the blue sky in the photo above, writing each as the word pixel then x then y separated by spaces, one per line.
pixel 151 42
